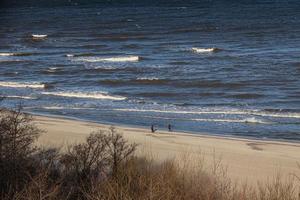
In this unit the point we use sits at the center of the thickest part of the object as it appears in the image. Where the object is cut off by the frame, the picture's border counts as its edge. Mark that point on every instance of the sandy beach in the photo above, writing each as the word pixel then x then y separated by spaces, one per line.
pixel 245 159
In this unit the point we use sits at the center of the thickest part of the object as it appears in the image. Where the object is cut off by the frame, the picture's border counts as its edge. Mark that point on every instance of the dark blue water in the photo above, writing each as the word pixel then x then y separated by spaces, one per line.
pixel 219 67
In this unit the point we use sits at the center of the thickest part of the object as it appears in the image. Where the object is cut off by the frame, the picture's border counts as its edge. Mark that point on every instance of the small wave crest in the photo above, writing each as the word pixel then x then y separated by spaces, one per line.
pixel 80 55
pixel 33 85
pixel 251 120
pixel 37 36
pixel 138 81
pixel 110 59
pixel 221 112
pixel 20 97
pixel 51 70
pixel 91 95
pixel 62 108
pixel 205 50
pixel 147 78
pixel 14 54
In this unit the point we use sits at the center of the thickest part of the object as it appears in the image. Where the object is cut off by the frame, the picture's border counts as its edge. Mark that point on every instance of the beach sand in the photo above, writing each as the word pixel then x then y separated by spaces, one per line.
pixel 245 159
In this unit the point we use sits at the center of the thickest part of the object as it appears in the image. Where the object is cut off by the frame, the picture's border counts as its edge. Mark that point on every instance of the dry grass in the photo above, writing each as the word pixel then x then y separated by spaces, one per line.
pixel 105 167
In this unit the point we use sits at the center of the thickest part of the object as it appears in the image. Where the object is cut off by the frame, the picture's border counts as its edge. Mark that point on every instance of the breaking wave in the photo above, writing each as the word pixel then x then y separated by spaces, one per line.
pixel 147 78
pixel 221 112
pixel 91 95
pixel 251 120
pixel 15 54
pixel 33 85
pixel 205 50
pixel 36 36
pixel 110 59
pixel 20 97
pixel 62 108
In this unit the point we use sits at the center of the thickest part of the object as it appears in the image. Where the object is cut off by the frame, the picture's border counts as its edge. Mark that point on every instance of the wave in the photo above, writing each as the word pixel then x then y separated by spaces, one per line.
pixel 111 59
pixel 174 83
pixel 205 50
pixel 221 112
pixel 147 78
pixel 80 55
pixel 37 36
pixel 62 108
pixel 92 95
pixel 246 96
pixel 138 81
pixel 9 60
pixel 22 85
pixel 15 54
pixel 251 120
pixel 52 70
pixel 20 97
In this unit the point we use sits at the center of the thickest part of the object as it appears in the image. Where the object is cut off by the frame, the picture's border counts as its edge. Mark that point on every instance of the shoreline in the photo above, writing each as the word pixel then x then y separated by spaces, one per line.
pixel 183 132
pixel 247 160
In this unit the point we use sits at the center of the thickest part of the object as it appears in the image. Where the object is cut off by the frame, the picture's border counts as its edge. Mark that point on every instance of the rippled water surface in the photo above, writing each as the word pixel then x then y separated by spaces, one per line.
pixel 222 68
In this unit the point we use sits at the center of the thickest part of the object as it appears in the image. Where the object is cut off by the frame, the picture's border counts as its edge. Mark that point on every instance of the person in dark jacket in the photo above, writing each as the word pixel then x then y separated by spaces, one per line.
pixel 153 129
pixel 169 127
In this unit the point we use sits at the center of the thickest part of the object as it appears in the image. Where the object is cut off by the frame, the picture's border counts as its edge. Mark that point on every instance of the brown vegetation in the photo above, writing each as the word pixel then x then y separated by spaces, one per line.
pixel 105 167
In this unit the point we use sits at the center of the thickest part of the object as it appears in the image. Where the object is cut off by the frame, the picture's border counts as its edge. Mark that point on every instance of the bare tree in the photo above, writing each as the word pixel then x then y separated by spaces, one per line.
pixel 17 137
pixel 118 149
pixel 87 158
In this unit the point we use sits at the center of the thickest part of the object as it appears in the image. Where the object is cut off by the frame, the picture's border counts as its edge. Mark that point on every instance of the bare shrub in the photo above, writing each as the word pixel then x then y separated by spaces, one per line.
pixel 95 160
pixel 17 137
pixel 118 149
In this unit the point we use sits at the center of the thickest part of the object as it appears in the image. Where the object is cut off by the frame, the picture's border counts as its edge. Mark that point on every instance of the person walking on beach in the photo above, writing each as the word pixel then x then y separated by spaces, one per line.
pixel 153 129
pixel 169 127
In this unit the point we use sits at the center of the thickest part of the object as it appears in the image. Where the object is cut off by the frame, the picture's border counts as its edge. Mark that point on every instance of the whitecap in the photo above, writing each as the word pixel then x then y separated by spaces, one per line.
pixel 91 95
pixel 37 36
pixel 7 54
pixel 204 50
pixel 251 120
pixel 20 97
pixel 62 108
pixel 110 59
pixel 148 78
pixel 22 85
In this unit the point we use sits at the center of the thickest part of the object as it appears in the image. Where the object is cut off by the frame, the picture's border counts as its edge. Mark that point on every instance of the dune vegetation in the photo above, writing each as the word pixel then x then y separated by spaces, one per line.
pixel 106 167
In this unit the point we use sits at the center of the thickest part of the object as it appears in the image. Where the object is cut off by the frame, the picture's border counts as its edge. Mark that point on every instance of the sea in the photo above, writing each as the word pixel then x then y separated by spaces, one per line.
pixel 229 68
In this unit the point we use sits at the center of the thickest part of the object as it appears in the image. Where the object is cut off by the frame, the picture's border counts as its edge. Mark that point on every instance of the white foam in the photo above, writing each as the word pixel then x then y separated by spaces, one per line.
pixel 182 112
pixel 203 50
pixel 247 120
pixel 22 85
pixel 251 120
pixel 20 97
pixel 92 95
pixel 278 115
pixel 62 108
pixel 39 36
pixel 52 69
pixel 70 55
pixel 112 59
pixel 221 112
pixel 7 54
pixel 148 78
